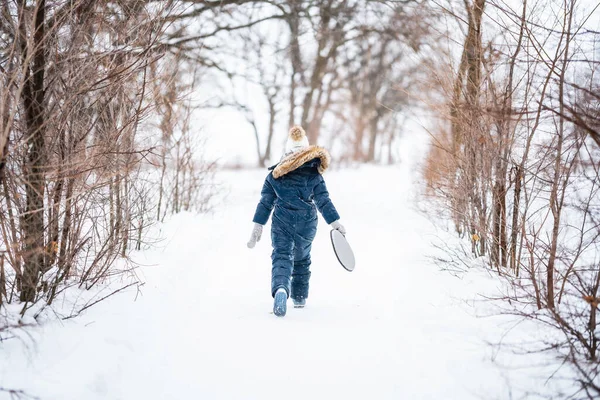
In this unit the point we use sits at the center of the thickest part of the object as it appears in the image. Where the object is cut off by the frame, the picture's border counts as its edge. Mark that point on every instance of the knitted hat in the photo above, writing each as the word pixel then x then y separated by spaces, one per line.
pixel 297 139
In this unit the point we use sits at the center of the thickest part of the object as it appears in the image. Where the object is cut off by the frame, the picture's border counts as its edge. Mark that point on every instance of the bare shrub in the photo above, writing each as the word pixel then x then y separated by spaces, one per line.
pixel 76 194
pixel 517 168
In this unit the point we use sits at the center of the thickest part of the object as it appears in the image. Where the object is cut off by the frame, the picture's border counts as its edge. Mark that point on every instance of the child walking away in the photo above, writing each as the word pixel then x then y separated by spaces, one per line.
pixel 296 189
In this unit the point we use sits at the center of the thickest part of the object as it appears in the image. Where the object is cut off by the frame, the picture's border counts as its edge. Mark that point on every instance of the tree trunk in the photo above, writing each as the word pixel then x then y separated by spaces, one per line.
pixel 514 263
pixel 272 116
pixel 296 60
pixel 474 59
pixel 373 133
pixel 53 219
pixel 63 264
pixel 2 279
pixel 33 99
pixel 556 203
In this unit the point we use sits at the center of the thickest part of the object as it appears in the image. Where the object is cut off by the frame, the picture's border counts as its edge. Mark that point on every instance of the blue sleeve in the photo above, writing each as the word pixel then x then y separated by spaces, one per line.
pixel 266 203
pixel 323 202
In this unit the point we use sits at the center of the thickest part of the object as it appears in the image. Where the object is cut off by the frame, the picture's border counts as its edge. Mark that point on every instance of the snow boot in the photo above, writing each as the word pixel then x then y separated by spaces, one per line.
pixel 299 302
pixel 280 302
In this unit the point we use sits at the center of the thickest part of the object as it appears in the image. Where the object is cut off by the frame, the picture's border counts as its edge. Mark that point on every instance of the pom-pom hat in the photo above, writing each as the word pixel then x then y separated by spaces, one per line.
pixel 297 139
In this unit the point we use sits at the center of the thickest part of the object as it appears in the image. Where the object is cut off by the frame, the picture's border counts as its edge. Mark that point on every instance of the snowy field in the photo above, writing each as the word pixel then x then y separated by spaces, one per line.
pixel 202 327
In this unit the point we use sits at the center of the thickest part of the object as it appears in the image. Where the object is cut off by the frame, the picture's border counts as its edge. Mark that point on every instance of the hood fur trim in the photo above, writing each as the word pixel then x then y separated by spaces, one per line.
pixel 299 158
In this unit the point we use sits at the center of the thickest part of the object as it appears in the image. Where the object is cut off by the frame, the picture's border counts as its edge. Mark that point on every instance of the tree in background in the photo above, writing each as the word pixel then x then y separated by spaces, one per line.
pixel 340 58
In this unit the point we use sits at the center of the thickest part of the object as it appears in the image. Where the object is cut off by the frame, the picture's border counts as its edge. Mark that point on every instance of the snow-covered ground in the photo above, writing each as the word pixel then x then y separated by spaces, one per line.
pixel 202 327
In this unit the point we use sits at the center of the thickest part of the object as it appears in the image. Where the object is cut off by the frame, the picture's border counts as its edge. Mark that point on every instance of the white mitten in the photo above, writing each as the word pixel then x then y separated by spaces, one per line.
pixel 338 227
pixel 256 235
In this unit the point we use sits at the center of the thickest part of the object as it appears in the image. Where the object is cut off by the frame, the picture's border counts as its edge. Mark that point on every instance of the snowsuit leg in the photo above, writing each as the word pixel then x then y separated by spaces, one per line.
pixel 302 247
pixel 291 239
pixel 282 239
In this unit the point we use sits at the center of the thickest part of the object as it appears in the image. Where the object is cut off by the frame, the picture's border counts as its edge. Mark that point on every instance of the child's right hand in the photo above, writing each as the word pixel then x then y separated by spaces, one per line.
pixel 256 235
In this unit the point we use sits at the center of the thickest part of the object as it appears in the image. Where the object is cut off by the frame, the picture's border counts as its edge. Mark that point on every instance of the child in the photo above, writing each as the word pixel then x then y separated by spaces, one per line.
pixel 294 187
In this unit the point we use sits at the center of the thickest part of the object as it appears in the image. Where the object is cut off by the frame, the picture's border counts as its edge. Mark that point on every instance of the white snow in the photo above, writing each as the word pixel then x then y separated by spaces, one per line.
pixel 202 328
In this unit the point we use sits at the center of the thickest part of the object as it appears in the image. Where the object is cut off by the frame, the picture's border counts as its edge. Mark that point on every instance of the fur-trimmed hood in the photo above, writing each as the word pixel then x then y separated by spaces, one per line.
pixel 297 159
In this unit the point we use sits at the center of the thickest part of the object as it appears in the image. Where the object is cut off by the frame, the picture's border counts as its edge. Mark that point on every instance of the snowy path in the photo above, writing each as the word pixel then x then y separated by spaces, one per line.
pixel 395 328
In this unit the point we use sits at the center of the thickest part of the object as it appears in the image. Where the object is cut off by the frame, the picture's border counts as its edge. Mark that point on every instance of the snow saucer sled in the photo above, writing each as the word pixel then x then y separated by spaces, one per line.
pixel 342 250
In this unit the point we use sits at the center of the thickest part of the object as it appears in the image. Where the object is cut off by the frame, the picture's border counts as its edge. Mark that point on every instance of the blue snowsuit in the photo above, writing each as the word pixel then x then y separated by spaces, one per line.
pixel 294 225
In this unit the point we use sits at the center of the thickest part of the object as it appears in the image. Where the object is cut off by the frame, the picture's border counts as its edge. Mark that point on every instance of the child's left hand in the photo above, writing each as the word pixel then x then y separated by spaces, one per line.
pixel 339 227
pixel 256 235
